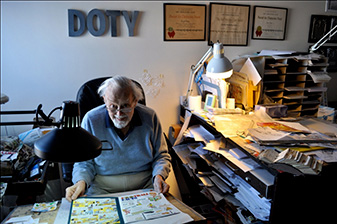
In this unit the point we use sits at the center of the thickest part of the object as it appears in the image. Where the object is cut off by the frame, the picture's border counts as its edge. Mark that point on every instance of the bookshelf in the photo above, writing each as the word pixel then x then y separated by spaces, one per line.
pixel 297 82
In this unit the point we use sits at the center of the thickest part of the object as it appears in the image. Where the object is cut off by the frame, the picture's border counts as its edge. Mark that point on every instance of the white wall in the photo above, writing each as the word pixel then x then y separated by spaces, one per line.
pixel 40 63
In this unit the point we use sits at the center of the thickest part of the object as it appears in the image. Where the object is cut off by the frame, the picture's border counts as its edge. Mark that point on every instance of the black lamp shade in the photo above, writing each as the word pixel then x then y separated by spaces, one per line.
pixel 70 143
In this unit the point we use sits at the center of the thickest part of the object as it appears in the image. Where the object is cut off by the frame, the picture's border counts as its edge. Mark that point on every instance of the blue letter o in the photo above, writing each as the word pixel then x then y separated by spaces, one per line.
pixel 90 22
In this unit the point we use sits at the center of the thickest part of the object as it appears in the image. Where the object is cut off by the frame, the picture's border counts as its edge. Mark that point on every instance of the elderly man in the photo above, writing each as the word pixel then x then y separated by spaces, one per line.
pixel 139 157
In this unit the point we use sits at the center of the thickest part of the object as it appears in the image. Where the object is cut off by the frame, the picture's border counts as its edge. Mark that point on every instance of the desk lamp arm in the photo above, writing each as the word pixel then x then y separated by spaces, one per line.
pixel 194 70
pixel 324 39
pixel 47 121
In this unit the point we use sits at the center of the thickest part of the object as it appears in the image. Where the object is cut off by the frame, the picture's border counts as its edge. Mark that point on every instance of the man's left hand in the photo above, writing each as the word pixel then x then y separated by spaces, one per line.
pixel 160 185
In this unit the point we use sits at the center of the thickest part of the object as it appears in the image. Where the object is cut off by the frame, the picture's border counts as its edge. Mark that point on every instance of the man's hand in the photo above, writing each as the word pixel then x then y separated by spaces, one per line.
pixel 75 191
pixel 160 185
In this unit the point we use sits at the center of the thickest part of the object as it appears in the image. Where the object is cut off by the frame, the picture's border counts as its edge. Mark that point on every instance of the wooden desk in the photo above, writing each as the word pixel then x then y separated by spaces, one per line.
pixel 24 210
pixel 49 217
pixel 186 209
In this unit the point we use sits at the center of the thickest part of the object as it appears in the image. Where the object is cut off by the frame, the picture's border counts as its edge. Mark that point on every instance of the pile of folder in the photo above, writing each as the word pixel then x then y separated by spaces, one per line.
pixel 220 180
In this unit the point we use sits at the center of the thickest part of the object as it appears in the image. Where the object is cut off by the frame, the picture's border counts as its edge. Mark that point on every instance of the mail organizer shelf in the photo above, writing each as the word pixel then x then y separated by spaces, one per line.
pixel 292 196
pixel 295 79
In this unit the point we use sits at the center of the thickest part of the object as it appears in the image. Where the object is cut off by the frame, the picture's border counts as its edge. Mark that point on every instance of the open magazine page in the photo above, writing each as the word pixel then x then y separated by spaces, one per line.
pixel 145 206
pixel 94 210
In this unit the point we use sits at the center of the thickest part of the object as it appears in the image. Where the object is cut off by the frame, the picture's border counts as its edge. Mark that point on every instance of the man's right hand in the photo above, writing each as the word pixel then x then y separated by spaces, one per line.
pixel 75 191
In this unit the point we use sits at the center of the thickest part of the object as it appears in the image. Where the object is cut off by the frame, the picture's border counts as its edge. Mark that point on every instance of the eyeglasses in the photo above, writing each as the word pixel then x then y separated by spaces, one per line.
pixel 123 108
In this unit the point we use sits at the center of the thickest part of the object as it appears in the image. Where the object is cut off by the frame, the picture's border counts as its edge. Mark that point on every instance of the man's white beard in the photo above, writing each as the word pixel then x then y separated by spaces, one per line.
pixel 121 124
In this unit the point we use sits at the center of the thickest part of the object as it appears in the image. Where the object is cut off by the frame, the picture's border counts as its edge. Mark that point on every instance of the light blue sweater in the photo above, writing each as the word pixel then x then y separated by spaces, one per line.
pixel 144 148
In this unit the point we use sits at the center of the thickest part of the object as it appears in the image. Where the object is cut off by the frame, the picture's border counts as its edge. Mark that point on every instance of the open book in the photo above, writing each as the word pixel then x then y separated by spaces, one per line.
pixel 125 209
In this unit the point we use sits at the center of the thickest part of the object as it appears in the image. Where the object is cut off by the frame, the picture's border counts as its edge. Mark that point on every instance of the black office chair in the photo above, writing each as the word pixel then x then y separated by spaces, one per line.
pixel 88 99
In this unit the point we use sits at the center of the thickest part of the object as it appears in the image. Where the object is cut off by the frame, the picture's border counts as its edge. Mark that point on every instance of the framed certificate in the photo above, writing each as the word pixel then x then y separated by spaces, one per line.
pixel 184 22
pixel 269 23
pixel 228 24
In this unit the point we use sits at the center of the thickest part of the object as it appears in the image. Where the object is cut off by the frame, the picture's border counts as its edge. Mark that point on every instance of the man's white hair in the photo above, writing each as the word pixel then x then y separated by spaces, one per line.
pixel 121 82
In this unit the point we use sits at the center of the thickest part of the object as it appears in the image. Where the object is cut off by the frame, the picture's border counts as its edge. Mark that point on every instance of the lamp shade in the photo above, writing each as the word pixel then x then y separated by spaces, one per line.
pixel 69 143
pixel 219 66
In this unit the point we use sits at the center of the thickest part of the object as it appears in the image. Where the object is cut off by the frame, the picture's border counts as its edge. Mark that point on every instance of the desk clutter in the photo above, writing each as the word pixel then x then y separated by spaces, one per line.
pixel 25 178
pixel 285 84
pixel 139 206
pixel 297 81
pixel 20 167
pixel 256 163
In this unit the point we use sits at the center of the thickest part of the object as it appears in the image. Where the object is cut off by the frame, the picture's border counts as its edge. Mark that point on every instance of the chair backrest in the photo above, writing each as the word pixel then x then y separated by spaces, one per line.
pixel 88 99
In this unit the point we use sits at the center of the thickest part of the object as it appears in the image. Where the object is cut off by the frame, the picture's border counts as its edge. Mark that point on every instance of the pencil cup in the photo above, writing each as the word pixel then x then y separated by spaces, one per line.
pixel 230 103
pixel 194 102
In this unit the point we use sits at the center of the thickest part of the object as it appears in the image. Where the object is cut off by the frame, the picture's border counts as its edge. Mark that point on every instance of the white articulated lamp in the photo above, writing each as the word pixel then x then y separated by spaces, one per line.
pixel 218 68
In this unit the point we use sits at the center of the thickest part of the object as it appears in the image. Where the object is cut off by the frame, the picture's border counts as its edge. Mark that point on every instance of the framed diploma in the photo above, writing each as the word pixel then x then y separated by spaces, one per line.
pixel 228 24
pixel 184 22
pixel 269 23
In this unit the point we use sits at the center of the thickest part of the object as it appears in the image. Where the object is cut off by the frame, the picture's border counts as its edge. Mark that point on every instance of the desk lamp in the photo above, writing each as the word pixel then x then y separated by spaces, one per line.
pixel 219 67
pixel 69 142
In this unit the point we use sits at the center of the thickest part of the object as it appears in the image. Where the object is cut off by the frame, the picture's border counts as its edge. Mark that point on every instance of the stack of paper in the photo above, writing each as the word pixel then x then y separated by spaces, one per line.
pixel 287 133
pixel 22 220
pixel 199 133
pixel 259 206
pixel 318 77
pixel 306 164
pixel 222 177
pixel 184 153
pixel 249 197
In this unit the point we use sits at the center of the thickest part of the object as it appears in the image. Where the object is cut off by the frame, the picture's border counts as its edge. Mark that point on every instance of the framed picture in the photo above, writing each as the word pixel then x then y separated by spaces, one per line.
pixel 269 23
pixel 331 6
pixel 184 22
pixel 228 24
pixel 210 101
pixel 321 25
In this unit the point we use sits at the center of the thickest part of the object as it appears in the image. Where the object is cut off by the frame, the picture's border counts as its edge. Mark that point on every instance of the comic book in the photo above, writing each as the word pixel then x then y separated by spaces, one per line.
pixel 94 210
pixel 125 209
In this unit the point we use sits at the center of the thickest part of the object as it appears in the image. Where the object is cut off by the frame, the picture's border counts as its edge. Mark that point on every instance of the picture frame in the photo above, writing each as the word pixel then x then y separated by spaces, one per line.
pixel 330 6
pixel 319 26
pixel 209 101
pixel 184 22
pixel 228 24
pixel 269 23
